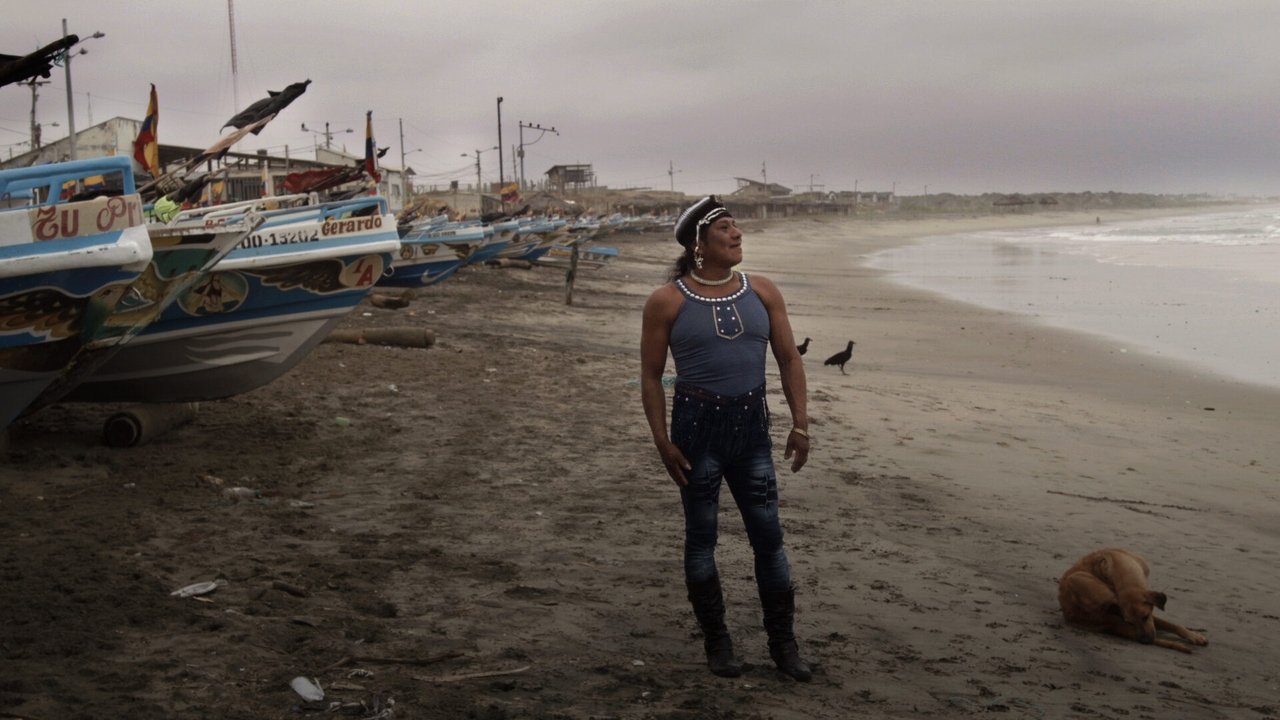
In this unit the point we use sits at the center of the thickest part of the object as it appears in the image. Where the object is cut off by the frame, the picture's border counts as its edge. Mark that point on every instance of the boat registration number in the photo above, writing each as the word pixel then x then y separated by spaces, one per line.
pixel 284 237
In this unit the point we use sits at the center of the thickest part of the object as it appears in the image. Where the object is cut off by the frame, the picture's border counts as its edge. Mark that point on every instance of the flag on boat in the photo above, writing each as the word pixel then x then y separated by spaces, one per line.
pixel 321 179
pixel 221 147
pixel 272 104
pixel 370 149
pixel 146 147
pixel 511 193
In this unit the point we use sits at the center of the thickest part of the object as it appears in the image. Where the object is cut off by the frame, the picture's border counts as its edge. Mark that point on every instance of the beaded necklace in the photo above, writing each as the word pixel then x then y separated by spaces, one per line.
pixel 712 283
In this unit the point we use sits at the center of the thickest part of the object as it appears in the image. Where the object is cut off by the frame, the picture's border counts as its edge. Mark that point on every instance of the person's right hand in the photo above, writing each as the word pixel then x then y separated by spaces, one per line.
pixel 674 461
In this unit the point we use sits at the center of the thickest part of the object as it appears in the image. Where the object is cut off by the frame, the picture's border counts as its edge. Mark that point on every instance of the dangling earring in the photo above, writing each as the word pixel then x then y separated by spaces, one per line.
pixel 697 256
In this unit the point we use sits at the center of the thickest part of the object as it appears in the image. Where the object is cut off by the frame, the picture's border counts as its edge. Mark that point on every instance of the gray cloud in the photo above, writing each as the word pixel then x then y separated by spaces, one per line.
pixel 998 95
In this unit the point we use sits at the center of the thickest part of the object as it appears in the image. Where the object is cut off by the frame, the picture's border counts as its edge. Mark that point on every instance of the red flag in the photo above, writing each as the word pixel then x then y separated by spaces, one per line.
pixel 370 149
pixel 146 148
pixel 321 179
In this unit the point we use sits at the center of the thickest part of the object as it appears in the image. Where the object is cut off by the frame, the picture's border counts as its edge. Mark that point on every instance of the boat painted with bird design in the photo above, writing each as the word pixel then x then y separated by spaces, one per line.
pixel 260 310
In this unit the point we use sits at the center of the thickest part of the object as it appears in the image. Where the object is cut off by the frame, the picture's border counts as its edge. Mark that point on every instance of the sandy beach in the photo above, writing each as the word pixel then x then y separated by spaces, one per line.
pixel 482 529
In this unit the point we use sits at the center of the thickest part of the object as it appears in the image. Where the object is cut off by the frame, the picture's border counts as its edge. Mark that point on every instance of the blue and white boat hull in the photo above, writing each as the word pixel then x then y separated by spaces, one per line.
pixel 260 310
pixel 65 266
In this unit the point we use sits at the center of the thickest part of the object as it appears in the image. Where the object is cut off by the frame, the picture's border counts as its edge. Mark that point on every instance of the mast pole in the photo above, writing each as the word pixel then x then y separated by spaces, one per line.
pixel 235 86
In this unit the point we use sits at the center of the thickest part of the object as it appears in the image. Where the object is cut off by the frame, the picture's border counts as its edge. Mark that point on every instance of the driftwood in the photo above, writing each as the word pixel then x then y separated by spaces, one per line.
pixel 396 337
pixel 509 262
pixel 390 302
pixel 375 660
pixel 140 424
pixel 472 676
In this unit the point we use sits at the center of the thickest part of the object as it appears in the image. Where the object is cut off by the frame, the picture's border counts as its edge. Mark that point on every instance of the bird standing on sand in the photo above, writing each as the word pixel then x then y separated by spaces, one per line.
pixel 803 347
pixel 841 358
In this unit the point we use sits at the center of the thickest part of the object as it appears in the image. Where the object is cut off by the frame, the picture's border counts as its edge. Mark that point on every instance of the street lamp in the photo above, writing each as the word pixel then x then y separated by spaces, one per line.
pixel 479 190
pixel 520 150
pixel 71 110
pixel 328 134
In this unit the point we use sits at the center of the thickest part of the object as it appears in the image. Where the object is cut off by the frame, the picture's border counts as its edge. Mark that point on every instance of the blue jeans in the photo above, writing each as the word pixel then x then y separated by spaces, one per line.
pixel 728 438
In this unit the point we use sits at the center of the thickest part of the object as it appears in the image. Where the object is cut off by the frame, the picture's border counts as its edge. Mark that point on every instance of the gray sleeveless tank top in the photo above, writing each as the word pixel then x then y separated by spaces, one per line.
pixel 719 343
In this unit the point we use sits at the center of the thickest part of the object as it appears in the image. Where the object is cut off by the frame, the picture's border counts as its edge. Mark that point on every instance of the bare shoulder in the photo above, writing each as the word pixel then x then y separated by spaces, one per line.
pixel 765 288
pixel 664 301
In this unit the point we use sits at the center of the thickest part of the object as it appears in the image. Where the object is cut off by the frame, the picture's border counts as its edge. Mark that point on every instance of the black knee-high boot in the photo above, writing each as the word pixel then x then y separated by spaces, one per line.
pixel 779 617
pixel 708 607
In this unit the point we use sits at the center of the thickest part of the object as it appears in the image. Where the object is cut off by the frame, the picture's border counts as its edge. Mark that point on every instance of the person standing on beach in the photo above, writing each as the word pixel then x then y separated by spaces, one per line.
pixel 716 323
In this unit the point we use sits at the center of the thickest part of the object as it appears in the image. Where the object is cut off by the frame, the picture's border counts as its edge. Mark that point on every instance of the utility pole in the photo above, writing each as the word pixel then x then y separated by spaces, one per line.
pixel 71 112
pixel 520 151
pixel 479 180
pixel 671 173
pixel 501 179
pixel 328 135
pixel 404 177
pixel 764 171
pixel 35 126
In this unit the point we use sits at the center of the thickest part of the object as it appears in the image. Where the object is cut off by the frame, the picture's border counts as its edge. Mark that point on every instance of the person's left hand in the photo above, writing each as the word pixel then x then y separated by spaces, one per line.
pixel 797 445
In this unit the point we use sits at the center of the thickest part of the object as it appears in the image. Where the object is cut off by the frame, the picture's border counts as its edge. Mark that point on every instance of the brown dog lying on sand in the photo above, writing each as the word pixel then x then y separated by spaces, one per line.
pixel 1106 591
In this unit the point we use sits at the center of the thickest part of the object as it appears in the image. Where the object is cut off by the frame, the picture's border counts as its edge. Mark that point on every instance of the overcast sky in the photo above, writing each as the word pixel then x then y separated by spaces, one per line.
pixel 959 96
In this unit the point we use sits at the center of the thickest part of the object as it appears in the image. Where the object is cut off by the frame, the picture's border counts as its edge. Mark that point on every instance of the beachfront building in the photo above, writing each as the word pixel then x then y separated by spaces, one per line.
pixel 755 199
pixel 878 198
pixel 570 178
pixel 463 201
pixel 756 190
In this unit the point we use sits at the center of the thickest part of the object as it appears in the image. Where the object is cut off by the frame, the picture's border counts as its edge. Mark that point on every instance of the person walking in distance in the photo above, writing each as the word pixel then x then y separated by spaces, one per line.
pixel 716 323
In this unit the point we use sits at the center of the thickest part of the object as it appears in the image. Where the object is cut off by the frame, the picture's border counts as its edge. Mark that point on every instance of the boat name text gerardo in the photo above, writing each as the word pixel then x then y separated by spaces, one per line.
pixel 350 225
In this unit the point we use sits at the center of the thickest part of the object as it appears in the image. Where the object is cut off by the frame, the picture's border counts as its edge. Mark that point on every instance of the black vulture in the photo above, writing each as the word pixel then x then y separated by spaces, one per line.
pixel 841 358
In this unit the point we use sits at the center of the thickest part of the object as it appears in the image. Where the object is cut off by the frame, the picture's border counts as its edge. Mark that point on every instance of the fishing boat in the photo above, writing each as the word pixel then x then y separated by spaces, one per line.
pixel 259 311
pixel 590 257
pixel 527 235
pixel 549 232
pixel 66 262
pixel 431 251
pixel 185 248
pixel 585 228
pixel 490 246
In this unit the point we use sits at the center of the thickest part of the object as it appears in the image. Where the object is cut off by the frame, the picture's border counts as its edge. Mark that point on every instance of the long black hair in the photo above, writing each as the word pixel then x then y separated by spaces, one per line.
pixel 683 264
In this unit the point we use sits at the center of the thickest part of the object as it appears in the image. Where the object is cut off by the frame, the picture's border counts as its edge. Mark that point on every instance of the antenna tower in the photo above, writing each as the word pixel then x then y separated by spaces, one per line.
pixel 231 21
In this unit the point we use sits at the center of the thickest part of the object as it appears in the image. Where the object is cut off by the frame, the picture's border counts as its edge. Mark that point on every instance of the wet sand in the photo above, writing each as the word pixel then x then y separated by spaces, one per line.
pixel 482 528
